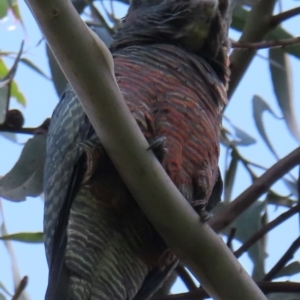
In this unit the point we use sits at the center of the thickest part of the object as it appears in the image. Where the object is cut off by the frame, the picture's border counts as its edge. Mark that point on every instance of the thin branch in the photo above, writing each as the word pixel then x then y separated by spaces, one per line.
pixel 258 188
pixel 186 277
pixel 266 44
pixel 288 255
pixel 99 16
pixel 230 238
pixel 265 229
pixel 42 129
pixel 298 189
pixel 278 19
pixel 266 287
pixel 20 289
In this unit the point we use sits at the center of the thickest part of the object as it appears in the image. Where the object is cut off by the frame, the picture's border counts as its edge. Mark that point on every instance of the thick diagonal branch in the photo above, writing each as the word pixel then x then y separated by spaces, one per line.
pixel 88 66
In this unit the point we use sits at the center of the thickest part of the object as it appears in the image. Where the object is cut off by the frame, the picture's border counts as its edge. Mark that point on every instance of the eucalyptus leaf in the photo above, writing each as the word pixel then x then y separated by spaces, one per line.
pixel 239 137
pixel 3 8
pixel 246 225
pixel 58 77
pixel 230 177
pixel 31 65
pixel 289 270
pixel 15 9
pixel 8 74
pixel 239 18
pixel 3 288
pixel 292 186
pixel 2 297
pixel 243 138
pixel 282 85
pixel 284 296
pixel 27 237
pixel 259 107
pixel 26 177
pixel 3 102
pixel 10 136
pixel 278 200
pixel 14 265
pixel 17 94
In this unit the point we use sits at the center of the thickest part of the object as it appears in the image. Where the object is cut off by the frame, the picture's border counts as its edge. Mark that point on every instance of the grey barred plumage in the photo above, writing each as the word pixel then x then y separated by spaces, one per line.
pixel 99 244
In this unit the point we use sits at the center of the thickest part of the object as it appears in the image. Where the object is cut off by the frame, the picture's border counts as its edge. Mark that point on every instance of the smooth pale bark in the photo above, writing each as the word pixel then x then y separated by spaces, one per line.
pixel 88 64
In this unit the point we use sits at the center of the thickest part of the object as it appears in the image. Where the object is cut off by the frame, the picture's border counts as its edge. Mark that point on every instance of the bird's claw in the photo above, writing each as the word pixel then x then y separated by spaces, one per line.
pixel 157 146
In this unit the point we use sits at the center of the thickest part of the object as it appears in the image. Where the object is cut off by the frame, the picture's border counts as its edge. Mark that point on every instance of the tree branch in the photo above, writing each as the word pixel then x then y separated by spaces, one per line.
pixel 265 229
pixel 162 203
pixel 257 26
pixel 258 188
pixel 288 255
pixel 278 19
pixel 21 287
pixel 42 129
pixel 266 44
pixel 266 287
pixel 186 278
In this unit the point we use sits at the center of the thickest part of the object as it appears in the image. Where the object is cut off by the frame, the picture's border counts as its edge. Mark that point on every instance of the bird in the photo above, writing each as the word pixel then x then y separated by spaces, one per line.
pixel 171 66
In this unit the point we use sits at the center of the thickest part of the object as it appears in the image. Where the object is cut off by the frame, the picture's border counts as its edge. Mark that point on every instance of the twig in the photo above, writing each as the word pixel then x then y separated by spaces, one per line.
pixel 288 255
pixel 266 287
pixel 186 278
pixel 99 16
pixel 260 233
pixel 258 188
pixel 266 44
pixel 230 238
pixel 298 189
pixel 21 287
pixel 277 19
pixel 42 129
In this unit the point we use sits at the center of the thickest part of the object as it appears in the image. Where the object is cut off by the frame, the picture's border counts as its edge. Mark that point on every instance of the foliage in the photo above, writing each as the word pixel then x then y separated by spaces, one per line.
pixel 252 224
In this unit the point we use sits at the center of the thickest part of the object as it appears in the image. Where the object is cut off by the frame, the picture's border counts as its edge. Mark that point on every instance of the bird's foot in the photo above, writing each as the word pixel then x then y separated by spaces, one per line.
pixel 204 215
pixel 200 206
pixel 157 146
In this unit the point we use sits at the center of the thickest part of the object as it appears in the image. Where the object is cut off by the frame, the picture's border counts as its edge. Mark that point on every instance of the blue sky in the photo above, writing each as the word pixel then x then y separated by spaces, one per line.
pixel 41 98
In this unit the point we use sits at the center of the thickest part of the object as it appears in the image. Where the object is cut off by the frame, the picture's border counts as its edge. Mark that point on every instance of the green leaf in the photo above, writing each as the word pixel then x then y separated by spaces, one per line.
pixel 3 8
pixel 246 225
pixel 244 139
pixel 3 102
pixel 2 297
pixel 26 177
pixel 282 79
pixel 27 237
pixel 14 89
pixel 283 296
pixel 10 136
pixel 16 11
pixel 31 65
pixel 3 288
pixel 289 270
pixel 58 77
pixel 292 186
pixel 17 94
pixel 230 176
pixel 281 34
pixel 278 200
pixel 14 265
pixel 239 137
pixel 239 19
pixel 259 107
